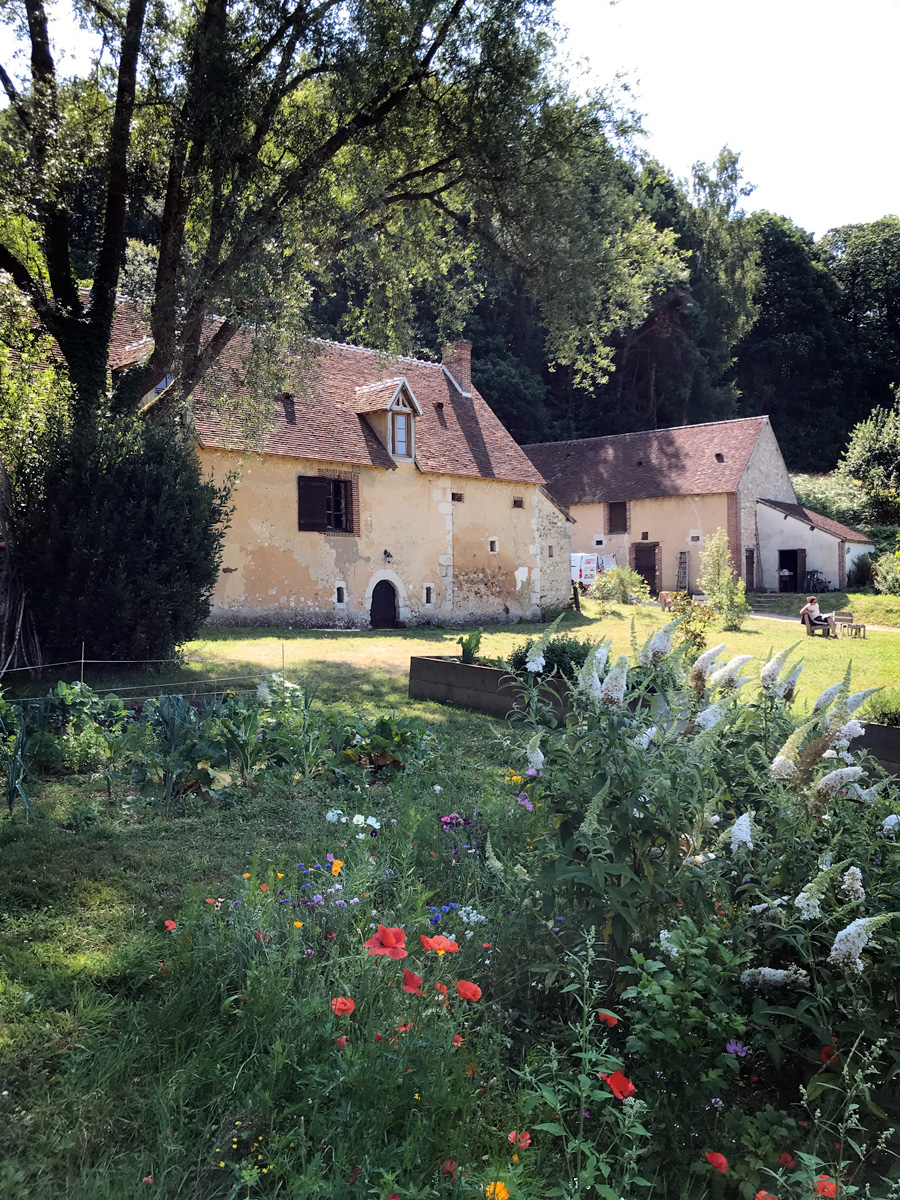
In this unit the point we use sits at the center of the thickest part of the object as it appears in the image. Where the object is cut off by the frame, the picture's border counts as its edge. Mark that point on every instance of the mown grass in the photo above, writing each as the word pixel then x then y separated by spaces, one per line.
pixel 868 607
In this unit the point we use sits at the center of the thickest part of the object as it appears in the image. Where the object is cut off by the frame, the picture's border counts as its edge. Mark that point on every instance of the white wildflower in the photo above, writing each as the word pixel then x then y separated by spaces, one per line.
pixel 521 874
pixel 782 768
pixel 827 696
pixel 643 740
pixel 333 816
pixel 707 660
pixel 612 692
pixel 375 824
pixel 852 729
pixel 437 789
pixel 809 906
pixel 857 699
pixel 891 824
pixel 658 646
pixel 589 675
pixel 536 664
pixel 768 676
pixel 852 884
pixel 535 755
pixel 359 819
pixel 847 757
pixel 665 941
pixel 727 676
pixel 470 916
pixel 831 783
pixel 491 861
pixel 785 687
pixel 849 944
pixel 741 833
pixel 709 716
pixel 772 977
pixel 869 795
pixel 830 754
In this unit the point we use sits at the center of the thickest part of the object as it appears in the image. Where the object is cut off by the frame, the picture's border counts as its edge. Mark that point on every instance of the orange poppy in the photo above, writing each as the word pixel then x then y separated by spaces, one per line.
pixel 468 991
pixel 441 987
pixel 719 1161
pixel 404 1028
pixel 457 1040
pixel 263 887
pixel 387 941
pixel 764 1196
pixel 621 1087
pixel 826 1186
pixel 412 982
pixel 342 1006
pixel 608 1019
pixel 438 942
pixel 523 1139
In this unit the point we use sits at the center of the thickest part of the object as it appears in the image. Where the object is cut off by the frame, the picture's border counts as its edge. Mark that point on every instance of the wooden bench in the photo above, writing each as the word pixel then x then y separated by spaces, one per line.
pixel 812 627
pixel 847 627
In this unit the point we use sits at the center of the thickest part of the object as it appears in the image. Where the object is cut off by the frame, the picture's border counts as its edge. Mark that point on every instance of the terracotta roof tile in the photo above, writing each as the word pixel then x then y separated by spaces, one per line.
pixel 826 524
pixel 686 460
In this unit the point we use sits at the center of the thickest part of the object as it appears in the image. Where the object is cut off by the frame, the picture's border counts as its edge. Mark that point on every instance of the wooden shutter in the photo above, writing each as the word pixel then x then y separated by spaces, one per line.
pixel 312 497
pixel 801 570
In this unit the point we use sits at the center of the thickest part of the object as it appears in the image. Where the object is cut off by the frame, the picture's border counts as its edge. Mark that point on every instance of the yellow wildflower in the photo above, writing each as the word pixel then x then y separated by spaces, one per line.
pixel 497 1191
pixel 336 866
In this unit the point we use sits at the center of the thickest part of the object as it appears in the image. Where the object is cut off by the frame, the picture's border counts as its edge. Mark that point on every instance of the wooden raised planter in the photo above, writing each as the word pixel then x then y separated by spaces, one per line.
pixel 487 689
pixel 883 743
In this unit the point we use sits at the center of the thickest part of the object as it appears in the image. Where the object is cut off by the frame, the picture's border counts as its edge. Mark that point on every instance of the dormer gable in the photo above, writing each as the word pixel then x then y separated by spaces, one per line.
pixel 390 408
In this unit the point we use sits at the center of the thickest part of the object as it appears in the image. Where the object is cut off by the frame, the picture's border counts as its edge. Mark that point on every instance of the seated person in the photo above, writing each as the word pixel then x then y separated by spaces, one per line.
pixel 811 609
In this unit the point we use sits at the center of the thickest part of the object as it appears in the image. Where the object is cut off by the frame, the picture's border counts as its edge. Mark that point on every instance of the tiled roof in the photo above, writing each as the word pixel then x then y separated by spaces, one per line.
pixel 455 435
pixel 686 460
pixel 826 524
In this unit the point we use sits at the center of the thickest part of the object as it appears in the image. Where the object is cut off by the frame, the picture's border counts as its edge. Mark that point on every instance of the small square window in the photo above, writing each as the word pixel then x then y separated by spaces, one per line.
pixel 720 457
pixel 339 595
pixel 599 541
pixel 492 546
pixel 549 551
pixel 695 537
pixel 457 497
pixel 645 537
pixel 518 501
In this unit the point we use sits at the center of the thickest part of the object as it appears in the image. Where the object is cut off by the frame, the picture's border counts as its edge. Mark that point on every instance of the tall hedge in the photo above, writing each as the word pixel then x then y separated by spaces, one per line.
pixel 118 538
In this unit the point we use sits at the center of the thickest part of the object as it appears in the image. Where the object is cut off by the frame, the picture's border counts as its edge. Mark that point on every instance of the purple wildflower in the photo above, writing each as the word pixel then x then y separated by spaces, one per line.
pixel 738 1049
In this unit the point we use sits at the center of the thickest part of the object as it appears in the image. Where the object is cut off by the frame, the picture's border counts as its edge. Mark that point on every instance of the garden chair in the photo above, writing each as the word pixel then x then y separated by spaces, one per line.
pixel 812 628
pixel 847 627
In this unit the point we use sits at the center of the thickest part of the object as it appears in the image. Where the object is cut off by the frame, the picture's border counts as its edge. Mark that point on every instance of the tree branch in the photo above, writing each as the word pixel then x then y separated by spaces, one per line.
pixel 14 98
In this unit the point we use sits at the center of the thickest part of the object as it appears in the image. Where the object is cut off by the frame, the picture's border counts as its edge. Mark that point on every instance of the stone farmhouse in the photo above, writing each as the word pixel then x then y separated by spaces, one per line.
pixel 652 499
pixel 385 493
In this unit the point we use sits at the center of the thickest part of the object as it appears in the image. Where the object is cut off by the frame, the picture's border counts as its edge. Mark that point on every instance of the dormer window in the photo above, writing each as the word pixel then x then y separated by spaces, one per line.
pixel 401 431
pixel 390 408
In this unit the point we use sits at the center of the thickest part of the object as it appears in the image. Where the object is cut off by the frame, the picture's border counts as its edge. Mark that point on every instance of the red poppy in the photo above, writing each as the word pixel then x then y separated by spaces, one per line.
pixel 829 1056
pixel 342 1005
pixel 608 1019
pixel 378 1037
pixel 211 900
pixel 341 1042
pixel 785 1160
pixel 393 1196
pixel 803 1124
pixel 621 1087
pixel 449 1169
pixel 826 1186
pixel 162 968
pixel 470 1070
pixel 263 887
pixel 171 925
pixel 264 939
pixel 468 991
pixel 404 1028
pixel 412 983
pixel 764 1196
pixel 438 942
pixel 719 1161
pixel 441 987
pixel 457 1040
pixel 487 945
pixel 387 941
pixel 522 1139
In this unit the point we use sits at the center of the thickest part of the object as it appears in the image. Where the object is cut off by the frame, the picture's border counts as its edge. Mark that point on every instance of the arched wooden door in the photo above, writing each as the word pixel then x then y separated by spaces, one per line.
pixel 384 606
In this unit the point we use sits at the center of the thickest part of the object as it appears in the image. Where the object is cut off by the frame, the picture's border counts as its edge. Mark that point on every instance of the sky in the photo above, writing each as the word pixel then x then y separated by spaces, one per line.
pixel 805 91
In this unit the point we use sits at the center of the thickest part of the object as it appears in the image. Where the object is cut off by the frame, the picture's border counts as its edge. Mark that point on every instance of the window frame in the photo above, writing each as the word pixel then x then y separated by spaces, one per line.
pixel 617 509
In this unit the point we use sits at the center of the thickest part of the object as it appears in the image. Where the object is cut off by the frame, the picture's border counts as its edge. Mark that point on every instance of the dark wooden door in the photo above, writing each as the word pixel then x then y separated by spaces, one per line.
pixel 750 570
pixel 384 606
pixel 645 564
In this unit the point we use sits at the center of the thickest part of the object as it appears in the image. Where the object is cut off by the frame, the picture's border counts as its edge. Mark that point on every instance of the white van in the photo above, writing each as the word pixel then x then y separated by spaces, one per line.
pixel 584 569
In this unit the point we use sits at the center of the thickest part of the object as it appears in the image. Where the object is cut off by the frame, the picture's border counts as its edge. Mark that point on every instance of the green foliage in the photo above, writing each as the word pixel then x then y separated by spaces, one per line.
pixel 834 495
pixel 884 708
pixel 469 644
pixel 695 617
pixel 886 572
pixel 13 747
pixel 563 655
pixel 118 539
pixel 621 585
pixel 724 591
pixel 872 457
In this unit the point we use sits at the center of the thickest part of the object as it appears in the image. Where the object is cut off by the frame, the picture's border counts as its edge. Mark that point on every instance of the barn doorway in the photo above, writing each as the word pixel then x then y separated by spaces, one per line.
pixel 645 563
pixel 383 614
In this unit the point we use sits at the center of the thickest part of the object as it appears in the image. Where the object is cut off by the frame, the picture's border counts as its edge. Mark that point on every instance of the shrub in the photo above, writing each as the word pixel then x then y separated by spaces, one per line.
pixel 696 618
pixel 717 581
pixel 886 573
pixel 884 708
pixel 861 574
pixel 563 654
pixel 117 538
pixel 621 585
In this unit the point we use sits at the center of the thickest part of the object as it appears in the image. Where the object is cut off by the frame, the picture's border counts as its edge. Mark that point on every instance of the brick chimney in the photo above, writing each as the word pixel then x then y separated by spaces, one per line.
pixel 457 359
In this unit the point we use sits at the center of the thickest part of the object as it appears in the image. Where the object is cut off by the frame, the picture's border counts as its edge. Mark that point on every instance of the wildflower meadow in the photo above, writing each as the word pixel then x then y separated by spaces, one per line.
pixel 650 948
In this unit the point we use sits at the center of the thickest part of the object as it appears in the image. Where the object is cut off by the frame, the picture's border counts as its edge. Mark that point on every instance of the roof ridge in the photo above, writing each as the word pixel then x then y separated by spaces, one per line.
pixel 605 437
pixel 421 362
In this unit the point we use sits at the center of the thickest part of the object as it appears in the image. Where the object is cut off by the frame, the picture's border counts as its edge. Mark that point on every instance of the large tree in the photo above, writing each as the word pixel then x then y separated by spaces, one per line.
pixel 288 146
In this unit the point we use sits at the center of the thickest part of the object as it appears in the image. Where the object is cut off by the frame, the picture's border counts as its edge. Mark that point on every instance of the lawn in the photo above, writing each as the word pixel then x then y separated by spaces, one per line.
pixel 868 607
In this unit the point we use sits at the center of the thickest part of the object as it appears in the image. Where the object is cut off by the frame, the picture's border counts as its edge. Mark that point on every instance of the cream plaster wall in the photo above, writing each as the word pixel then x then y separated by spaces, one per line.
pixel 780 532
pixel 481 557
pixel 766 478
pixel 672 521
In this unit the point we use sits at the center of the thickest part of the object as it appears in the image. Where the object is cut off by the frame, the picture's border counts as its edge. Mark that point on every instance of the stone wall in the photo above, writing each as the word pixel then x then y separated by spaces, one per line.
pixel 766 478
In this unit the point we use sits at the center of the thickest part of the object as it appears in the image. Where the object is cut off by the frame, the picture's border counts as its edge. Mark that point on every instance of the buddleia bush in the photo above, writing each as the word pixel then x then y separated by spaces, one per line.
pixel 117 537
